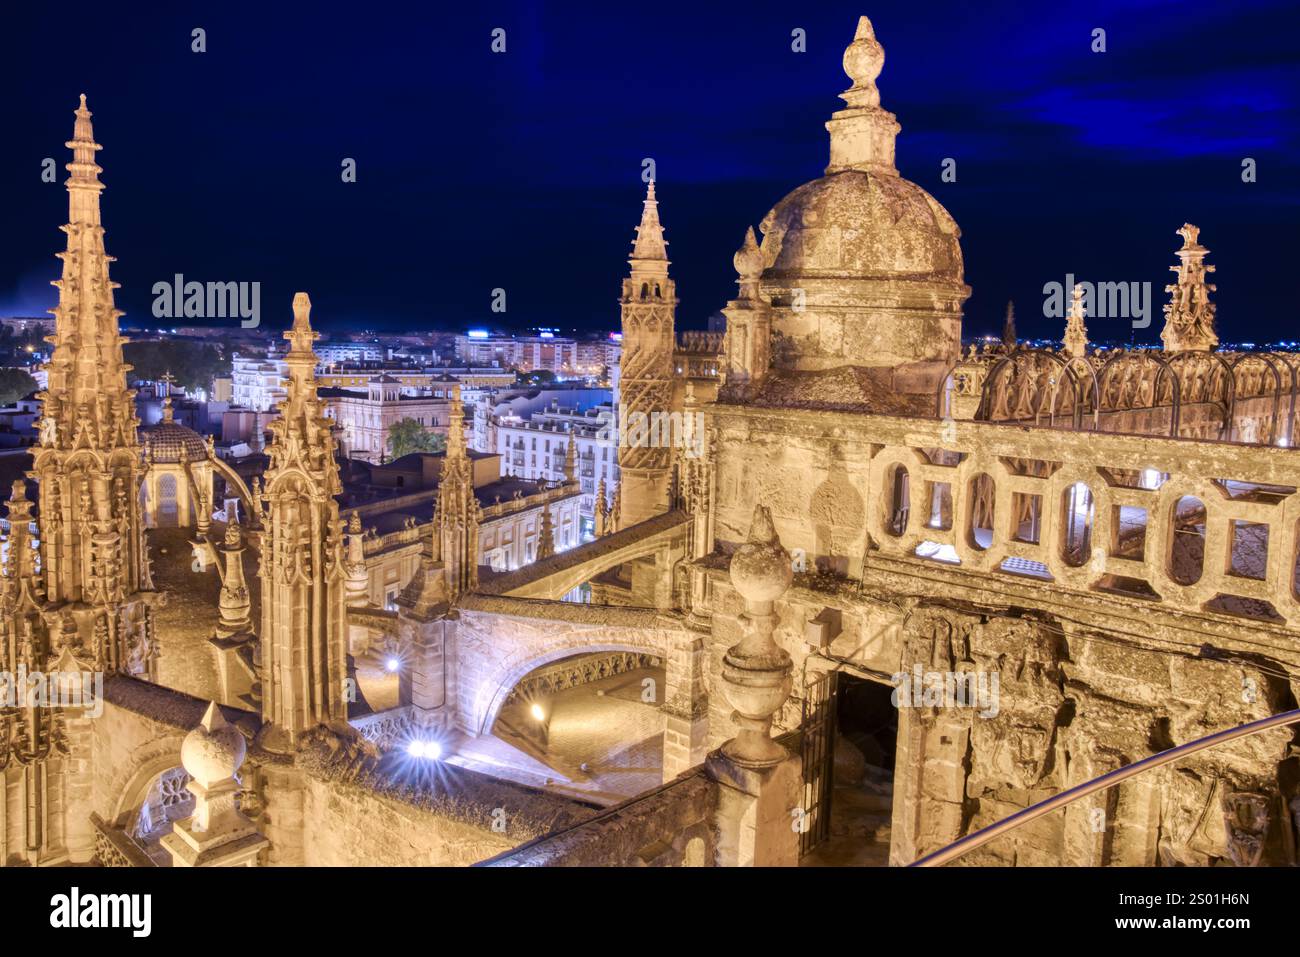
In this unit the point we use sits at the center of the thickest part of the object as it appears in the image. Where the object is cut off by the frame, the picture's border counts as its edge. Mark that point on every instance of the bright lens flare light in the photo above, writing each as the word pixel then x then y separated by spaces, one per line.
pixel 537 712
pixel 392 664
pixel 428 750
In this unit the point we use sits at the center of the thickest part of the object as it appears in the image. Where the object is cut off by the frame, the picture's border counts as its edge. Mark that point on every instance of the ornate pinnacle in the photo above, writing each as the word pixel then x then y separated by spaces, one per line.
pixel 1189 316
pixel 1076 333
pixel 650 243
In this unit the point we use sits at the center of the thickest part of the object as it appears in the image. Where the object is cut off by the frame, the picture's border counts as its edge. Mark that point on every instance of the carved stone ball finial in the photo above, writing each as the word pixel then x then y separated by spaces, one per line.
pixel 748 259
pixel 756 672
pixel 213 751
pixel 761 569
pixel 863 61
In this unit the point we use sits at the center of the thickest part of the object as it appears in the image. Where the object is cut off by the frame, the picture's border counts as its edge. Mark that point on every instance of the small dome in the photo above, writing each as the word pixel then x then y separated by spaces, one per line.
pixel 165 440
pixel 861 225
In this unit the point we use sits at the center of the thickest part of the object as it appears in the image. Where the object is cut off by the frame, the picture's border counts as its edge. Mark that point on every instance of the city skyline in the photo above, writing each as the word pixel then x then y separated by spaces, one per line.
pixel 522 170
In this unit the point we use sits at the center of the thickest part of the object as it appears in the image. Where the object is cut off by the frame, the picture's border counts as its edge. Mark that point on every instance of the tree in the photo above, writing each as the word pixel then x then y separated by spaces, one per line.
pixel 14 384
pixel 193 364
pixel 407 435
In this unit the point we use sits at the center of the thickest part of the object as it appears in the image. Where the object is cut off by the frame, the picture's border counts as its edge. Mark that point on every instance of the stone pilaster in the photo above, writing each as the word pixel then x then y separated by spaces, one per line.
pixel 686 705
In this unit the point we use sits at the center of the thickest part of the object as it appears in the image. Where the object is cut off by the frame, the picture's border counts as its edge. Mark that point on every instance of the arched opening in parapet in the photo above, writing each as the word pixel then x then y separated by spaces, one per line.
pixel 166 799
pixel 982 501
pixel 1077 517
pixel 1187 549
pixel 898 502
pixel 589 725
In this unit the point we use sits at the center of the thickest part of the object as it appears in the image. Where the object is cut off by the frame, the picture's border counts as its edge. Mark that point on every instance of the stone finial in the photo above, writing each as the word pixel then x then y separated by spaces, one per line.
pixel 756 672
pixel 354 524
pixel 1009 338
pixel 213 751
pixel 749 265
pixel 216 834
pixel 301 335
pixel 863 60
pixel 1189 315
pixel 862 136
pixel 301 311
pixel 1076 333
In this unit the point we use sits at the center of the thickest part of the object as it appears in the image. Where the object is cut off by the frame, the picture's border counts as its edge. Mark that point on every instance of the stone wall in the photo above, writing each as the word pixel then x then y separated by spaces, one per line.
pixel 670 826
pixel 352 827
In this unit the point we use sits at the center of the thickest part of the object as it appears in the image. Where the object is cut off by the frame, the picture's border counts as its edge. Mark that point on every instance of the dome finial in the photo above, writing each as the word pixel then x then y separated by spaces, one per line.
pixel 863 61
pixel 862 135
pixel 167 379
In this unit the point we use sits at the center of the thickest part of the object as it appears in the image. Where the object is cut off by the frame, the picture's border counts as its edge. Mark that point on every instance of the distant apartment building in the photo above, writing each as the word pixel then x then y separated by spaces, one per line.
pixel 330 353
pixel 19 325
pixel 598 357
pixel 415 380
pixel 395 504
pixel 544 352
pixel 258 384
pixel 366 418
pixel 535 449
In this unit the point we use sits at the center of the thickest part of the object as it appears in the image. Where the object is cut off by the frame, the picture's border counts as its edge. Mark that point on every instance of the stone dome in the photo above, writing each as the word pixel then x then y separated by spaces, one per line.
pixel 861 225
pixel 165 441
pixel 862 268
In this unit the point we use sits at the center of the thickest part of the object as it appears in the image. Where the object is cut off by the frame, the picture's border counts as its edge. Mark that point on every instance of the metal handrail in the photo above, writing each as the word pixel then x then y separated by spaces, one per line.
pixel 981 837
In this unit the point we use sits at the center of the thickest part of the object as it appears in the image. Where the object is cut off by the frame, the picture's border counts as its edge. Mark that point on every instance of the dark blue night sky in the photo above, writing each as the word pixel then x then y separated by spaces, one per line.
pixel 522 171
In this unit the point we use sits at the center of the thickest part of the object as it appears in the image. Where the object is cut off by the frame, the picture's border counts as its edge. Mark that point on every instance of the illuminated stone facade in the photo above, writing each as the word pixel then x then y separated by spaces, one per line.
pixel 1108 535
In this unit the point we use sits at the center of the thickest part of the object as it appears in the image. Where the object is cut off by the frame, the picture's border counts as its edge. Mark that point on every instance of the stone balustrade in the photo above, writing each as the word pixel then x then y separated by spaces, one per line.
pixel 1184 523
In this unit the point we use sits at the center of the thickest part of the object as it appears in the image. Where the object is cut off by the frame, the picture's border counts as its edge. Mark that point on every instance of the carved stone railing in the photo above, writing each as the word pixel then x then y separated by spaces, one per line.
pixel 669 826
pixel 378 544
pixel 114 847
pixel 1065 506
pixel 385 729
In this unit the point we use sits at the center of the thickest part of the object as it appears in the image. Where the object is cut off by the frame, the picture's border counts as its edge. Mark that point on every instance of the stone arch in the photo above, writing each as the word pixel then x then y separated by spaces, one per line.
pixel 233 479
pixel 504 682
pixel 498 651
pixel 132 786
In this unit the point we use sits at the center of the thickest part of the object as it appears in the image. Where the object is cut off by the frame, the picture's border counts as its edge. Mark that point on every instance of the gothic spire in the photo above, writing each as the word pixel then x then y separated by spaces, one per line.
pixel 456 427
pixel 1009 326
pixel 86 402
pixel 650 249
pixel 571 460
pixel 546 535
pixel 456 514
